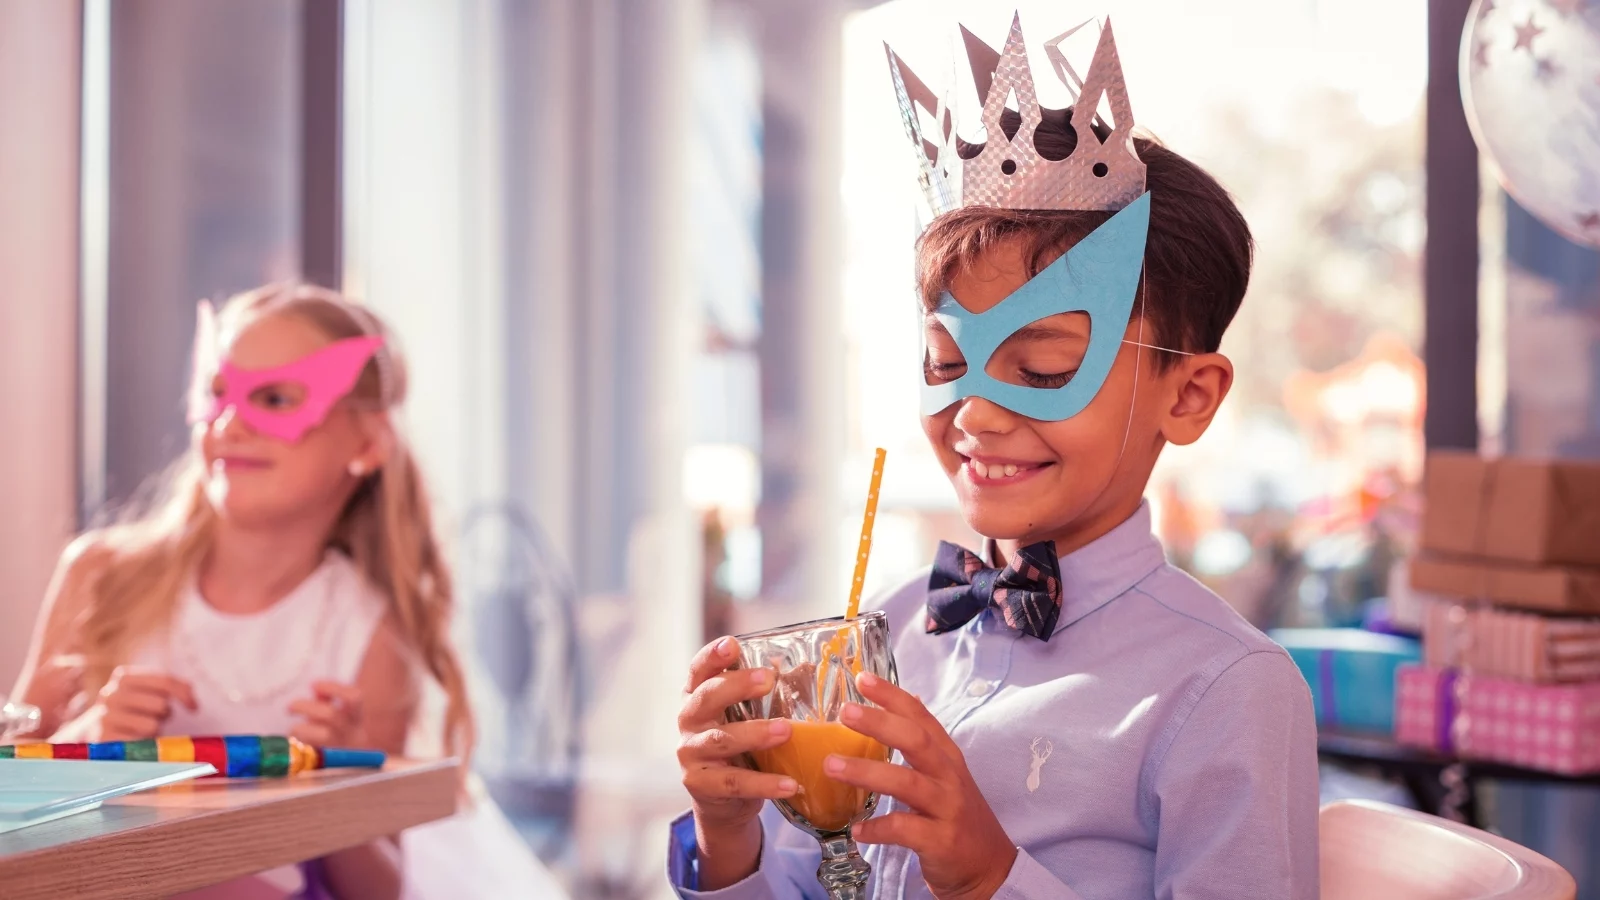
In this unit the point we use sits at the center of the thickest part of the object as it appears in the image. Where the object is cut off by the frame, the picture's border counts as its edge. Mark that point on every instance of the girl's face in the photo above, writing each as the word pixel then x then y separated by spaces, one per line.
pixel 257 480
pixel 1025 480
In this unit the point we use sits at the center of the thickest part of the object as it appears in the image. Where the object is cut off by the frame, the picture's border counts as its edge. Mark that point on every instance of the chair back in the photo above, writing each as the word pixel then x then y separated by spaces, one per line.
pixel 1375 851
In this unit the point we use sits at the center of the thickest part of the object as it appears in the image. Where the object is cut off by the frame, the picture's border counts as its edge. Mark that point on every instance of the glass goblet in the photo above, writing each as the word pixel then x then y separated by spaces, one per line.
pixel 17 720
pixel 815 664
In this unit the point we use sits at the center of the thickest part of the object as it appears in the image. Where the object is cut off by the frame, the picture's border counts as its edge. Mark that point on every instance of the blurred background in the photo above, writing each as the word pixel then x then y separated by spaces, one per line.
pixel 650 260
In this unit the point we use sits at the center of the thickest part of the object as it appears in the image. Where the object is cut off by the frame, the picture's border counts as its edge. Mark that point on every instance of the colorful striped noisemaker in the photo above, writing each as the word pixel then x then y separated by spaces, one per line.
pixel 235 756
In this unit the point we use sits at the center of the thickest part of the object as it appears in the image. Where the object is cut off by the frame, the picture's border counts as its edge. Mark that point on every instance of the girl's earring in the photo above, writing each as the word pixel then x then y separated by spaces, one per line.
pixel 358 469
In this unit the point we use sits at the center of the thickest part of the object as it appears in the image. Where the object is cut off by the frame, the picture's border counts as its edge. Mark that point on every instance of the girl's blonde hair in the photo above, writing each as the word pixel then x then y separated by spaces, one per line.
pixel 141 563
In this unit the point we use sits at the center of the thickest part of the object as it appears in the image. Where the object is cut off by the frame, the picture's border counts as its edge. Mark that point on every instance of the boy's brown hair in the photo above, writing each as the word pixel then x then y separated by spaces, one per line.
pixel 1196 261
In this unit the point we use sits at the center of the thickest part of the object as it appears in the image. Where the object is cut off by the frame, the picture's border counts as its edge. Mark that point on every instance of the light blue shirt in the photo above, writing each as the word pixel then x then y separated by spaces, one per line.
pixel 1157 746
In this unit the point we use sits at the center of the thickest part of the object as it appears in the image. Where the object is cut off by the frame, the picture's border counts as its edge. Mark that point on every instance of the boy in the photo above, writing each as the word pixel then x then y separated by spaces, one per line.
pixel 1092 723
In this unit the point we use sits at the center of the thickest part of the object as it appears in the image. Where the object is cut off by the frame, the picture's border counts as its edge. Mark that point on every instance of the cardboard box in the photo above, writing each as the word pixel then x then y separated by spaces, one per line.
pixel 1351 673
pixel 1547 727
pixel 1504 643
pixel 1542 512
pixel 1561 589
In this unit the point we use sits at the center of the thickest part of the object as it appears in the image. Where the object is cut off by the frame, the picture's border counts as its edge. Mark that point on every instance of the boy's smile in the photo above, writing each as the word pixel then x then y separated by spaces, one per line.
pixel 984 470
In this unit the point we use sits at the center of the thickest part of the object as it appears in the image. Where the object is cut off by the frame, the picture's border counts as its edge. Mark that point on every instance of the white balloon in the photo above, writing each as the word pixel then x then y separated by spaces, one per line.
pixel 1530 79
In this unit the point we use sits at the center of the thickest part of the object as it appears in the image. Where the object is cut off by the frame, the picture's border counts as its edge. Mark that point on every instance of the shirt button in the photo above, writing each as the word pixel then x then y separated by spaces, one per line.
pixel 978 688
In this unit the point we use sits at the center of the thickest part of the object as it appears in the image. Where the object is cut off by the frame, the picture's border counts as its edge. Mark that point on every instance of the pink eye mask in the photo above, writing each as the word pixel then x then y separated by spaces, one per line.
pixel 325 376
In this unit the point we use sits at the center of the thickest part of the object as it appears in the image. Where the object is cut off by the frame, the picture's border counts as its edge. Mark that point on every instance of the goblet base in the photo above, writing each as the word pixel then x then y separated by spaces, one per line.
pixel 843 872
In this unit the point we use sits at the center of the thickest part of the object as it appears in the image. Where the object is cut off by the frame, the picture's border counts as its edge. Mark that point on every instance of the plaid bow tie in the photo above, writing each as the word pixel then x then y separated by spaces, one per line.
pixel 1027 592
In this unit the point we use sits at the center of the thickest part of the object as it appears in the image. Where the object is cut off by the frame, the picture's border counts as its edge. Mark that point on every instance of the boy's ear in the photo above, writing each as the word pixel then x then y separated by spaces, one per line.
pixel 1200 384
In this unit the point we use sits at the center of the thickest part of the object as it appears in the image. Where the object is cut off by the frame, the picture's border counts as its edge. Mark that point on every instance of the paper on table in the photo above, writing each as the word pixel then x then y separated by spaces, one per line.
pixel 38 790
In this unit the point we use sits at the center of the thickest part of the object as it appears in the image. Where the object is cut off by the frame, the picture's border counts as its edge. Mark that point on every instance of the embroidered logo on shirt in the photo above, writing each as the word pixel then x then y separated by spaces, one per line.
pixel 1036 766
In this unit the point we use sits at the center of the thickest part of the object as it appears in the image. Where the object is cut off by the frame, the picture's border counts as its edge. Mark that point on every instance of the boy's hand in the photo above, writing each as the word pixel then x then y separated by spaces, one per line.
pixel 727 797
pixel 965 853
pixel 332 717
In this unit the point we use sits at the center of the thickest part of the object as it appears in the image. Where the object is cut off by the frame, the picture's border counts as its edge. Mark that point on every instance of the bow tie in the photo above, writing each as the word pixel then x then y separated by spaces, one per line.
pixel 1027 592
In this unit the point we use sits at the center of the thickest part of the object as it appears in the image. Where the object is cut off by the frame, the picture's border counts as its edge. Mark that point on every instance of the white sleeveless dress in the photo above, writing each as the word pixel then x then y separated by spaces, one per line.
pixel 247 669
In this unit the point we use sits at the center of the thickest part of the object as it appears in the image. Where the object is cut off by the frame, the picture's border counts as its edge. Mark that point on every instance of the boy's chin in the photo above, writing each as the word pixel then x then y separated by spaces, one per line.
pixel 1004 524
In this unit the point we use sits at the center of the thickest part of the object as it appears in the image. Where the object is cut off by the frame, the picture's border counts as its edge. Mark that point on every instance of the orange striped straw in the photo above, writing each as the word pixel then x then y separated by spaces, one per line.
pixel 865 548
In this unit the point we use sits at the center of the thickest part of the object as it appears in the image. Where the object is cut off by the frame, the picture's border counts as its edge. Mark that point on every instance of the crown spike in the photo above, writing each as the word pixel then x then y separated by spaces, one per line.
pixel 1011 75
pixel 1058 60
pixel 1105 80
pixel 912 92
pixel 984 59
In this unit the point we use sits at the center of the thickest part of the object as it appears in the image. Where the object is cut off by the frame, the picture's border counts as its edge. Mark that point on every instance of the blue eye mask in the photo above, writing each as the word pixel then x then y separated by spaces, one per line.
pixel 1098 276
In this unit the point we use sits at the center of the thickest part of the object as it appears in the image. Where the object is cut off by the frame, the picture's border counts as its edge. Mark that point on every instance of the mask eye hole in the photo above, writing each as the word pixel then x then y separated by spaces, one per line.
pixel 278 398
pixel 1045 354
pixel 942 361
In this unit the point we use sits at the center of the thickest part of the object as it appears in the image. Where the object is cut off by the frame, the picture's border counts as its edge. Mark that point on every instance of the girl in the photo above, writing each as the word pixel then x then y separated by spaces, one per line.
pixel 288 581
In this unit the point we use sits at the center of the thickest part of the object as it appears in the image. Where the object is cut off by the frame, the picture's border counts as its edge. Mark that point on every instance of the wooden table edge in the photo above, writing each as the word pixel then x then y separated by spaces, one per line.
pixel 214 845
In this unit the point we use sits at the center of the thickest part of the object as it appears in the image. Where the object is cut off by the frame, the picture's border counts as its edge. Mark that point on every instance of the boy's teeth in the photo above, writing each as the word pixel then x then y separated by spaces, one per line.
pixel 995 470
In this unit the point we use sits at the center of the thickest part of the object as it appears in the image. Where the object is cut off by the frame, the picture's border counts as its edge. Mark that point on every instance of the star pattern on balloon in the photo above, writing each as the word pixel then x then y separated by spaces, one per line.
pixel 1526 33
pixel 1519 109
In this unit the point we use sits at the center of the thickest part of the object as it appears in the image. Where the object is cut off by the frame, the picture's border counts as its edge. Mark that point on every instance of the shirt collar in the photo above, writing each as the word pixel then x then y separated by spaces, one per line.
pixel 1105 568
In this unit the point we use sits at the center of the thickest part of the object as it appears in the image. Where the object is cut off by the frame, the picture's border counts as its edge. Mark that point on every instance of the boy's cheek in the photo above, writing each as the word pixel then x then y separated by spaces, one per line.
pixel 933 427
pixel 937 429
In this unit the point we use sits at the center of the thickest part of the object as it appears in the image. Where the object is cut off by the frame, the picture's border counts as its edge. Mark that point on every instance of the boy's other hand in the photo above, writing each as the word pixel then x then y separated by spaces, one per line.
pixel 136 700
pixel 727 797
pixel 964 851
pixel 331 717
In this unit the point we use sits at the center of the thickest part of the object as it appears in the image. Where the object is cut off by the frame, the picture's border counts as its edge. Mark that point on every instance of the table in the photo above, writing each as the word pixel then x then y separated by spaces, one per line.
pixel 1439 783
pixel 186 836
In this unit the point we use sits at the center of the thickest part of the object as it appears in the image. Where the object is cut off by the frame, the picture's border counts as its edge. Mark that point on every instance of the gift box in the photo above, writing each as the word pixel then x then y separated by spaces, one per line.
pixel 1425 698
pixel 1538 512
pixel 1564 589
pixel 1548 727
pixel 1510 644
pixel 1351 673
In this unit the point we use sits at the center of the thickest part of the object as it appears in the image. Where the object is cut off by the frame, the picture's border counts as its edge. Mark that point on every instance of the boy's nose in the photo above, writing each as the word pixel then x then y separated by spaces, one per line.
pixel 976 415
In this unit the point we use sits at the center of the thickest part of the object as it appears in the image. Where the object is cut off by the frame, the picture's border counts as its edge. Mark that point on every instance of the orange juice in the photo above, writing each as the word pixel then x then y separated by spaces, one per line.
pixel 827 804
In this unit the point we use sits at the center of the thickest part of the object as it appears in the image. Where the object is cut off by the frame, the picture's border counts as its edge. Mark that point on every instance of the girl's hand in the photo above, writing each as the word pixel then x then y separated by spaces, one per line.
pixel 727 798
pixel 330 718
pixel 53 689
pixel 964 851
pixel 136 701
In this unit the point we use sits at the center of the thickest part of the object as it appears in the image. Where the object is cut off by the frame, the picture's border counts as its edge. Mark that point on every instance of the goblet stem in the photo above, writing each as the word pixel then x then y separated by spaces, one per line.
pixel 843 872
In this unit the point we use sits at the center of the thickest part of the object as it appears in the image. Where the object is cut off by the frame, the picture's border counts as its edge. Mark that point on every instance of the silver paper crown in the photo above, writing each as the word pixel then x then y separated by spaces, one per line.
pixel 1009 172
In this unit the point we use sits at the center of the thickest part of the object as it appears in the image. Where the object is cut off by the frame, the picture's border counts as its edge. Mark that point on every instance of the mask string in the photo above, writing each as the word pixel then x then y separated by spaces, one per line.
pixel 1153 346
pixel 1138 365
